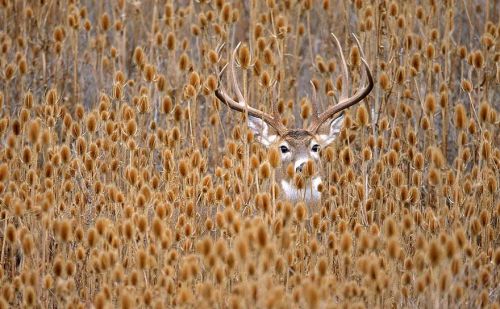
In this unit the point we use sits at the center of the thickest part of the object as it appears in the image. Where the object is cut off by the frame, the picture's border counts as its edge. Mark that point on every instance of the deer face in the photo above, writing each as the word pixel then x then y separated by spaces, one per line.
pixel 299 146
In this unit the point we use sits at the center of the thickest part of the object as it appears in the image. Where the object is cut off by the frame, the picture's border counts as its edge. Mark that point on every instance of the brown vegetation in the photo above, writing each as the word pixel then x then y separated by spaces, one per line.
pixel 124 182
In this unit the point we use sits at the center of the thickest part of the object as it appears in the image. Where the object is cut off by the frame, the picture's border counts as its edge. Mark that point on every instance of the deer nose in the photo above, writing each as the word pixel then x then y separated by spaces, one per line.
pixel 299 168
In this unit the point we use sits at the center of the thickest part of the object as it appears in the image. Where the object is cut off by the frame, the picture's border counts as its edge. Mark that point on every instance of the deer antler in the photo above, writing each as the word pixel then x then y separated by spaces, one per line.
pixel 241 105
pixel 344 100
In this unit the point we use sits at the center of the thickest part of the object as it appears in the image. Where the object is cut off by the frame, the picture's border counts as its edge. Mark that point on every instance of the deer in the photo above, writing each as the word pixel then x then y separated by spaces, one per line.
pixel 297 146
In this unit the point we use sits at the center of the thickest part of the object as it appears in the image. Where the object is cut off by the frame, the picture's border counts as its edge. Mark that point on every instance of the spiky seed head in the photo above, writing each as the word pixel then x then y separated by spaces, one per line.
pixel 4 172
pixel 434 252
pixel 384 81
pixel 346 242
pixel 430 104
pixel 362 116
pixel 466 85
pixel 430 51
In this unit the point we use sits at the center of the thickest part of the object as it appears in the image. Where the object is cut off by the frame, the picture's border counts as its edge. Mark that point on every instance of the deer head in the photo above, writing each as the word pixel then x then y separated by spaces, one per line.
pixel 298 146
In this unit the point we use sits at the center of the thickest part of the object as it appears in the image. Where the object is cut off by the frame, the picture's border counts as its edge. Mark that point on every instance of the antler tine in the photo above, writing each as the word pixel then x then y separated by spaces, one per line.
pixel 314 103
pixel 345 73
pixel 241 99
pixel 219 48
pixel 274 107
pixel 363 79
pixel 241 106
pixel 345 102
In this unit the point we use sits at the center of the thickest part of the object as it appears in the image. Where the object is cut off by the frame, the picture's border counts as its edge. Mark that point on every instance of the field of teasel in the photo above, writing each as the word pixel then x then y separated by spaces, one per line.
pixel 125 182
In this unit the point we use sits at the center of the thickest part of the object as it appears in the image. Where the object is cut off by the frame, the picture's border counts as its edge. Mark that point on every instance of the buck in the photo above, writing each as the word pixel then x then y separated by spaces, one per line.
pixel 298 146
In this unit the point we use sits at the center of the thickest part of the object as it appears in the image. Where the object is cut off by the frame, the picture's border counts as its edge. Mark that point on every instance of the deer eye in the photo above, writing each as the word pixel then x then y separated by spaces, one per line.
pixel 315 148
pixel 284 149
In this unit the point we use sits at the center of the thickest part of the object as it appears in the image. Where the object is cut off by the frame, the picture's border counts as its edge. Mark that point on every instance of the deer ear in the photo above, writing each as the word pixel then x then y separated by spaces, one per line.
pixel 261 131
pixel 335 127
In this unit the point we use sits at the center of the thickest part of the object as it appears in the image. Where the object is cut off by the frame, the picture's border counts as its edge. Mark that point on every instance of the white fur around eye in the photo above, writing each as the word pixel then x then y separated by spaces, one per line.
pixel 286 155
pixel 314 154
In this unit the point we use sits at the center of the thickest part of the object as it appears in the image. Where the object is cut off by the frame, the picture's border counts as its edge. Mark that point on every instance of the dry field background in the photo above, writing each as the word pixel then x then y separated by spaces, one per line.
pixel 125 183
